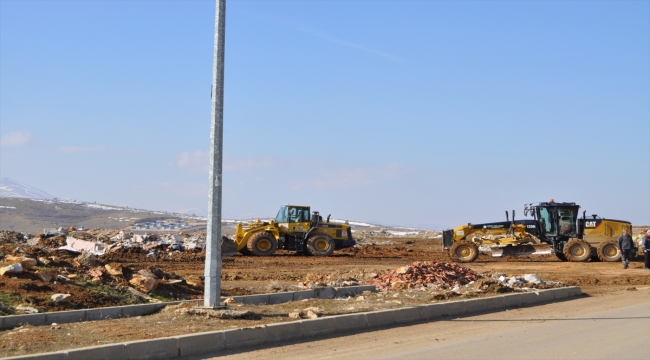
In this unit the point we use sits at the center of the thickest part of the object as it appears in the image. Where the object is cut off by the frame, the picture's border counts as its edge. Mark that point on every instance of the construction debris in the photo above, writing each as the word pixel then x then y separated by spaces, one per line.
pixel 420 274
pixel 78 245
pixel 219 314
pixel 308 313
pixel 27 263
pixel 23 309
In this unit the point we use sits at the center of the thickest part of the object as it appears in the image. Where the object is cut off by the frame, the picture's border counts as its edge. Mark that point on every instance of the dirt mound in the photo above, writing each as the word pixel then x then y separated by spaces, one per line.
pixel 138 254
pixel 52 241
pixel 8 236
pixel 419 274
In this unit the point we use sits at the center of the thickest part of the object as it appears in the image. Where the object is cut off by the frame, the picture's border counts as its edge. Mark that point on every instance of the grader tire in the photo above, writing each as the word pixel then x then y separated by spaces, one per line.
pixel 463 251
pixel 608 251
pixel 577 250
pixel 320 245
pixel 262 244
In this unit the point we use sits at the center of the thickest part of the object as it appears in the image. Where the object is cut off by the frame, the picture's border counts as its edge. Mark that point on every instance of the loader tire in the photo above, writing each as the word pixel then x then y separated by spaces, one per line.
pixel 262 244
pixel 320 245
pixel 608 251
pixel 577 250
pixel 463 251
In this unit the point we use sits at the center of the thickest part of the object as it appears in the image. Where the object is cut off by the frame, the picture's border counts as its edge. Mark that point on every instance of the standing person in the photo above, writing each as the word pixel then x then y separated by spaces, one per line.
pixel 625 245
pixel 645 244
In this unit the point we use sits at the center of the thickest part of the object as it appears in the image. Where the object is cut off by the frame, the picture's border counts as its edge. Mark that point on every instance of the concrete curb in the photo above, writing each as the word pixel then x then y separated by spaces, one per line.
pixel 115 312
pixel 215 341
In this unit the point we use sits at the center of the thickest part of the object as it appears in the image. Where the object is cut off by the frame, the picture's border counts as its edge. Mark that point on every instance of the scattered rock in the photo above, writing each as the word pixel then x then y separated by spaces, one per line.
pixel 44 277
pixel 311 315
pixel 404 270
pixel 229 301
pixel 114 269
pixel 23 309
pixel 11 269
pixel 58 298
pixel 27 263
pixel 532 279
pixel 315 310
pixel 295 315
pixel 88 259
pixel 144 283
pixel 219 314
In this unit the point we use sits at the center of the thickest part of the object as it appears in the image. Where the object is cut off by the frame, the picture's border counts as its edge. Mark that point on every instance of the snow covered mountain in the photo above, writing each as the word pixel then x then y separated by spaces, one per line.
pixel 16 189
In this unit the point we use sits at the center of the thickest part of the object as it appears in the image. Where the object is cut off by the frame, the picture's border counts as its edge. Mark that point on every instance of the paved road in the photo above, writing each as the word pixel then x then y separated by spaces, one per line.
pixel 588 328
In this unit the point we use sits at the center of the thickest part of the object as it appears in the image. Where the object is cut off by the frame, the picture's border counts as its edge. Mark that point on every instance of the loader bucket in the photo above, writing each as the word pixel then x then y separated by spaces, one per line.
pixel 228 247
pixel 515 250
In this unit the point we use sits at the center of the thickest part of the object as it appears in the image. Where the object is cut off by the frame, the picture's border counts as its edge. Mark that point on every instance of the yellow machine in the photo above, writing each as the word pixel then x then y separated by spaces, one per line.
pixel 555 228
pixel 293 229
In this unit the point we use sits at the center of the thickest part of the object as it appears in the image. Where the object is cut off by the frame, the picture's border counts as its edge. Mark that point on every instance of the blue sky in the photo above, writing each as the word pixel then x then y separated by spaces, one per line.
pixel 422 113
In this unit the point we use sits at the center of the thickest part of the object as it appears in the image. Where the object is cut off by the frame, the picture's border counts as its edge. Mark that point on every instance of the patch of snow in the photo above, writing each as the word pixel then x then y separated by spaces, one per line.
pixel 355 223
pixel 7 207
pixel 16 189
pixel 402 233
pixel 102 207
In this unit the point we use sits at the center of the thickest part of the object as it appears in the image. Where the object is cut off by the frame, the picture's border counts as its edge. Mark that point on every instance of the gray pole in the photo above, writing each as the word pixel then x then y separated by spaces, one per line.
pixel 213 242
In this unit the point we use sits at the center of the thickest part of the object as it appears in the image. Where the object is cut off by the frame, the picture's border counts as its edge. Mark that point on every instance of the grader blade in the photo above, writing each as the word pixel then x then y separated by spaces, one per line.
pixel 521 250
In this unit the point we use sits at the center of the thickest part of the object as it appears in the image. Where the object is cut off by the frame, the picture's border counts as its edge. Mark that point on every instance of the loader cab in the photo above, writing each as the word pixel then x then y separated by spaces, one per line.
pixel 557 219
pixel 292 214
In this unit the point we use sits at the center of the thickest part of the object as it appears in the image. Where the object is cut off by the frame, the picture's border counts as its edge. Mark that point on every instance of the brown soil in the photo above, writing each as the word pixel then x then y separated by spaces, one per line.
pixel 243 275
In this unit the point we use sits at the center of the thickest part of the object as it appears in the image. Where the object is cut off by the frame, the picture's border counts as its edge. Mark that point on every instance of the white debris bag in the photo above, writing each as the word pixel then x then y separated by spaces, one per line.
pixel 78 245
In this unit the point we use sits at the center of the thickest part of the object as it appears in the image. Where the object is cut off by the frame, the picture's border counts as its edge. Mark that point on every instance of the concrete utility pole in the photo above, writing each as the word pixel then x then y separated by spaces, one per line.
pixel 213 242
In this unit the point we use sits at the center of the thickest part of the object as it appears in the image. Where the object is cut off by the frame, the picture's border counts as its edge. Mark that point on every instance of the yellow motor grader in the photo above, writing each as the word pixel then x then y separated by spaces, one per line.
pixel 293 229
pixel 555 228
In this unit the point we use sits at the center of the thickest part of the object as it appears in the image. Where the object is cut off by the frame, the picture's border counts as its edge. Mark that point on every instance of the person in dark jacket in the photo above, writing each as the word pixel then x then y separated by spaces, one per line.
pixel 625 246
pixel 645 244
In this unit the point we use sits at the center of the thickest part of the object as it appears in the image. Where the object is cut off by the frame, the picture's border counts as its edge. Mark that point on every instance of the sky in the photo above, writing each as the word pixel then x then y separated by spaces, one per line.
pixel 426 114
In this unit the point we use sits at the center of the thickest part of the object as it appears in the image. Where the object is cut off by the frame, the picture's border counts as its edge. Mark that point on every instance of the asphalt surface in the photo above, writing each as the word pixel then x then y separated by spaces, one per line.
pixel 607 327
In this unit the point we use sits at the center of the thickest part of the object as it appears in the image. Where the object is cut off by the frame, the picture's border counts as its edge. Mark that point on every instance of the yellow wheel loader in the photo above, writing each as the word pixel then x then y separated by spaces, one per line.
pixel 293 229
pixel 554 229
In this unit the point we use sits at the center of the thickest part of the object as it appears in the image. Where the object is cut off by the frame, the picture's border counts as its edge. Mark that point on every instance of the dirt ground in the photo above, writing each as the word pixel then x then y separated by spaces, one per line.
pixel 244 275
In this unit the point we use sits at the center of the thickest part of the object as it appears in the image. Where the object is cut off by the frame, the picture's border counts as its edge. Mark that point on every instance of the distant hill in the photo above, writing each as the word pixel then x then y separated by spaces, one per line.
pixel 15 189
pixel 28 209
pixel 33 215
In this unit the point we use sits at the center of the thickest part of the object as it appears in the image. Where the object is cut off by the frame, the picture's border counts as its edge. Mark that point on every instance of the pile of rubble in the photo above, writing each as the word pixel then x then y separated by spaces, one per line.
pixel 525 282
pixel 101 241
pixel 422 274
pixel 15 237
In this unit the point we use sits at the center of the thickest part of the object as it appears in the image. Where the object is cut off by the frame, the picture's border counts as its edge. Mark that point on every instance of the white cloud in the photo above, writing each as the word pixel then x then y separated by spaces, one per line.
pixel 299 173
pixel 193 162
pixel 247 164
pixel 198 162
pixel 79 149
pixel 185 190
pixel 332 176
pixel 18 138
